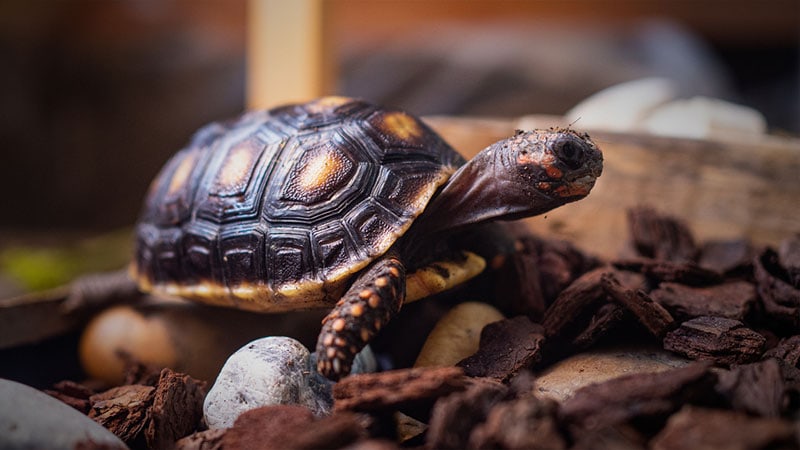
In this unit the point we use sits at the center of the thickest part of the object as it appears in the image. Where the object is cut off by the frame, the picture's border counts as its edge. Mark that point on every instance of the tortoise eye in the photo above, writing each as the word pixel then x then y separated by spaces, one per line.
pixel 569 151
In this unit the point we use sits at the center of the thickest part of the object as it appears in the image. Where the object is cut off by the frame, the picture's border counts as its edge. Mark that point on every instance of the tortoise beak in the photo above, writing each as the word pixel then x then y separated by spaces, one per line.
pixel 580 182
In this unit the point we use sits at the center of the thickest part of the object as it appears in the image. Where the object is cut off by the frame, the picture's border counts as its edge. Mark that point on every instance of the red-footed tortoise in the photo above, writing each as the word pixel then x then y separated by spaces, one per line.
pixel 329 204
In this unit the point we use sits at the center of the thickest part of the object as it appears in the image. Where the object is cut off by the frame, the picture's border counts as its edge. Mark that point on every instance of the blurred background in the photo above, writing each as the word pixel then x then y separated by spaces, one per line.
pixel 96 95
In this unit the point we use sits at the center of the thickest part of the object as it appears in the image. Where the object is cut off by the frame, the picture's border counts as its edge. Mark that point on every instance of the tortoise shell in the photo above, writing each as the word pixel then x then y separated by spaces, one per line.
pixel 277 209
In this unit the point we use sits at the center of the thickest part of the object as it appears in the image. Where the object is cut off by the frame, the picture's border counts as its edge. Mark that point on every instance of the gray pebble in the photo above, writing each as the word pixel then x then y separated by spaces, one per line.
pixel 273 370
pixel 30 419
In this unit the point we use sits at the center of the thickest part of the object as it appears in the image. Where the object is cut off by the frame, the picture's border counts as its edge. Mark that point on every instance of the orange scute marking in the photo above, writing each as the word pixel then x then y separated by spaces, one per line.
pixel 236 169
pixel 327 103
pixel 402 125
pixel 181 174
pixel 320 169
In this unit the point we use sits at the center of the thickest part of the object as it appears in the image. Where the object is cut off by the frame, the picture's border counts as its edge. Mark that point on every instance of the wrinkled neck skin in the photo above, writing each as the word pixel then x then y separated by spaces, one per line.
pixel 489 187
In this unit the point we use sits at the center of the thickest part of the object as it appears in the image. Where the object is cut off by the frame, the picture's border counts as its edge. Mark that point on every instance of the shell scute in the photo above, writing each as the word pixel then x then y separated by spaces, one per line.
pixel 333 252
pixel 240 249
pixel 319 173
pixel 198 258
pixel 166 256
pixel 236 169
pixel 235 180
pixel 288 256
pixel 374 228
pixel 396 129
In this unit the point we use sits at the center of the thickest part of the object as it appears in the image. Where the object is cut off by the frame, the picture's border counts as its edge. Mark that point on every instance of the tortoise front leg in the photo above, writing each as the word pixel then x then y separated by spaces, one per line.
pixel 374 298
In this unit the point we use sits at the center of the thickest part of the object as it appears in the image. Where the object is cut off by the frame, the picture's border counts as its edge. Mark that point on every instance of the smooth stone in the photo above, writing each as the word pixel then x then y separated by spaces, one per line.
pixel 561 380
pixel 185 336
pixel 457 334
pixel 706 118
pixel 30 419
pixel 274 370
pixel 623 106
pixel 123 330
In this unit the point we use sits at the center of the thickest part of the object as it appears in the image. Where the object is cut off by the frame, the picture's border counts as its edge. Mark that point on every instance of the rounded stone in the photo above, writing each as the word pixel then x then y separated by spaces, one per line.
pixel 32 419
pixel 457 334
pixel 274 370
pixel 187 337
pixel 124 330
pixel 560 381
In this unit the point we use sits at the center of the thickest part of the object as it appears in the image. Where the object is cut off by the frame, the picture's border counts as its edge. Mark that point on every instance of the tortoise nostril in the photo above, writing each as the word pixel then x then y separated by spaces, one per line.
pixel 570 152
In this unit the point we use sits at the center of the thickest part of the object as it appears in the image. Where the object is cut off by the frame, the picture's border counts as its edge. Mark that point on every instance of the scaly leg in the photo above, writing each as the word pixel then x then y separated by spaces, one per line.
pixel 374 298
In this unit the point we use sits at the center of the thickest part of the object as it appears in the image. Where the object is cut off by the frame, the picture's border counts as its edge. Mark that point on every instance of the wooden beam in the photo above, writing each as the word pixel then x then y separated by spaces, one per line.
pixel 286 60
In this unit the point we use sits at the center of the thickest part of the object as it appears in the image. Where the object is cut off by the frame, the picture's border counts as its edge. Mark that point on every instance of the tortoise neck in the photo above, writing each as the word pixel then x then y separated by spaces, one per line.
pixel 486 188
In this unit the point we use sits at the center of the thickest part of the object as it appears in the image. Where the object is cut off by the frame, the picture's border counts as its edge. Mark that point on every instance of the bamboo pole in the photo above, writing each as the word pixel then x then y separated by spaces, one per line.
pixel 286 59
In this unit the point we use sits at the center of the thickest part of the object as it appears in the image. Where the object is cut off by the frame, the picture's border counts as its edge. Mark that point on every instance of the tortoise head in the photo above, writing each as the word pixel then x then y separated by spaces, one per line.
pixel 524 175
pixel 557 165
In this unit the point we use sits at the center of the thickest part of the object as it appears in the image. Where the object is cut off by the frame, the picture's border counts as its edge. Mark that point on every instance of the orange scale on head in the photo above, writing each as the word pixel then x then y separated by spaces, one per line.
pixel 553 172
pixel 572 190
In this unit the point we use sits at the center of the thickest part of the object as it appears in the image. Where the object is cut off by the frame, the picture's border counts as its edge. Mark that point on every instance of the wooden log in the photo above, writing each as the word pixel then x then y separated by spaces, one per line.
pixel 722 189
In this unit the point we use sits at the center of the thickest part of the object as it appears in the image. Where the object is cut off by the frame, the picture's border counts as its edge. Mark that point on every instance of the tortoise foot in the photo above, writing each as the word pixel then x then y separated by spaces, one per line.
pixel 366 307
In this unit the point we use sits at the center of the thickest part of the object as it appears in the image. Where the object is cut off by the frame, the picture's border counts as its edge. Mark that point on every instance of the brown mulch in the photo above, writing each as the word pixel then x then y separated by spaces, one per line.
pixel 731 307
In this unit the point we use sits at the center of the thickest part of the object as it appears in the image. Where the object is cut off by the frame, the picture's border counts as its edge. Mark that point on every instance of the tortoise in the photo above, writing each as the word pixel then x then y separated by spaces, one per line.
pixel 341 204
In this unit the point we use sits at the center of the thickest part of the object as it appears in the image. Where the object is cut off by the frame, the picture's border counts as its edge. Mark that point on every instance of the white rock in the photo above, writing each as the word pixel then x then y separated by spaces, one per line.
pixel 32 419
pixel 622 107
pixel 705 118
pixel 273 370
